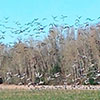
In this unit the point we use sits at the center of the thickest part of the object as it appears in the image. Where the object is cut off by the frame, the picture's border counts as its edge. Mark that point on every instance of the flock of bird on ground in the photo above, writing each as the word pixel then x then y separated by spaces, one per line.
pixel 40 85
pixel 29 82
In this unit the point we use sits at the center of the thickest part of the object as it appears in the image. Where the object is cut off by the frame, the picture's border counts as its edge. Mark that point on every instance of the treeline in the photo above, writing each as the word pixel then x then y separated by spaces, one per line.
pixel 66 56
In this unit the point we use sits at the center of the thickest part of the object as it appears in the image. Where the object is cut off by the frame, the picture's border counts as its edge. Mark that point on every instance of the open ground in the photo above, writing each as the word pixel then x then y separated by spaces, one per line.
pixel 13 92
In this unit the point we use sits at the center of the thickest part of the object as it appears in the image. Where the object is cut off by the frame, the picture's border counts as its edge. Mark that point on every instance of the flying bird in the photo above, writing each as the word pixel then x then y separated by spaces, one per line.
pixel 44 19
pixel 79 17
pixel 36 19
pixel 63 17
pixel 6 18
pixel 54 18
pixel 98 18
pixel 89 19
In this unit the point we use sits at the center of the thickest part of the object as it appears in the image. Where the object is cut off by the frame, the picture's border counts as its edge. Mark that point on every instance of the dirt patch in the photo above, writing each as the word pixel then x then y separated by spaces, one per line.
pixel 67 87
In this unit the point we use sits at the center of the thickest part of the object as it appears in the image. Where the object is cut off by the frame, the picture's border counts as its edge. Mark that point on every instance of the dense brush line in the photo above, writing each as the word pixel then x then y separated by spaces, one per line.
pixel 61 58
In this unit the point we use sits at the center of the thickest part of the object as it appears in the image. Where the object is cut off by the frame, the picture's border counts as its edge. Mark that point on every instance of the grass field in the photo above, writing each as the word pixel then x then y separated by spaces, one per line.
pixel 50 95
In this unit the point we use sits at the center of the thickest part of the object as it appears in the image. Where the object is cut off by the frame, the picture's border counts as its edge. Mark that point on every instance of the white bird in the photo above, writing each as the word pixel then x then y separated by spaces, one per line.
pixel 24 74
pixel 84 56
pixel 38 75
pixel 98 75
pixel 16 74
pixel 74 66
pixel 28 79
pixel 9 73
pixel 8 78
pixel 29 84
pixel 68 75
pixel 98 83
pixel 41 82
pixel 20 83
pixel 22 78
pixel 92 65
pixel 57 74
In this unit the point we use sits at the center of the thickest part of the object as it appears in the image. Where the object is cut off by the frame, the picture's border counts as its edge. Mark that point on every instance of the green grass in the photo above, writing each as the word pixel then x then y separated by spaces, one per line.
pixel 49 95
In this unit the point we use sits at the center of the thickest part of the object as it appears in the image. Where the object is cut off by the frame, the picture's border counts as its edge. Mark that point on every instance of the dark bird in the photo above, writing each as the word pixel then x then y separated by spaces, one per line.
pixel 2 37
pixel 45 26
pixel 40 29
pixel 3 32
pixel 44 19
pixel 6 22
pixel 77 20
pixel 29 31
pixel 63 17
pixel 6 18
pixel 27 28
pixel 31 35
pixel 43 32
pixel 37 23
pixel 28 23
pixel 89 19
pixel 34 29
pixel 54 18
pixel 98 18
pixel 17 23
pixel 37 36
pixel 79 17
pixel 37 33
pixel 36 19
pixel 51 24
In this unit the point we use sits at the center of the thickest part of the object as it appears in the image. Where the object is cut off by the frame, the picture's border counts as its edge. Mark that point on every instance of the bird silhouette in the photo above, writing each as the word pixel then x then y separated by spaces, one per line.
pixel 6 18
pixel 36 19
pixel 54 18
pixel 79 17
pixel 3 32
pixel 63 17
pixel 89 19
pixel 2 37
pixel 98 18
pixel 44 19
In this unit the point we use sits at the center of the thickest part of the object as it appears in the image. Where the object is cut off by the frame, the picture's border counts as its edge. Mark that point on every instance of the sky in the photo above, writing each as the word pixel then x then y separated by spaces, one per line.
pixel 26 10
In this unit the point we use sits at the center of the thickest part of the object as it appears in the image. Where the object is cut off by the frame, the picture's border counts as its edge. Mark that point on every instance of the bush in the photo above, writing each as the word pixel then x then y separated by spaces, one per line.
pixel 56 68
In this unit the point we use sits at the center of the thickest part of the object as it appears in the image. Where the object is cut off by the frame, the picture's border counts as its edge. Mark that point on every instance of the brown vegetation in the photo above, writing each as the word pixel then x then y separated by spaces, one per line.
pixel 61 58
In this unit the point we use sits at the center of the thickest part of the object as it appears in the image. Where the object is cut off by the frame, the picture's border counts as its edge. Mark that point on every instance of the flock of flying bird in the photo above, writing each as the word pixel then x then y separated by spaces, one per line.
pixel 34 28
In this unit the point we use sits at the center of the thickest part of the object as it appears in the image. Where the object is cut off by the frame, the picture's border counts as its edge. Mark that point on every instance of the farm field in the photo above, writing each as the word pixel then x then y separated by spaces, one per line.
pixel 48 94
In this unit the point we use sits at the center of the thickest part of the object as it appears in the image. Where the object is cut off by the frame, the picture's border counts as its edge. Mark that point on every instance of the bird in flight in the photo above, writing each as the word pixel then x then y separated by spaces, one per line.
pixel 79 17
pixel 44 19
pixel 54 18
pixel 98 18
pixel 63 17
pixel 89 19
pixel 6 18
pixel 36 19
